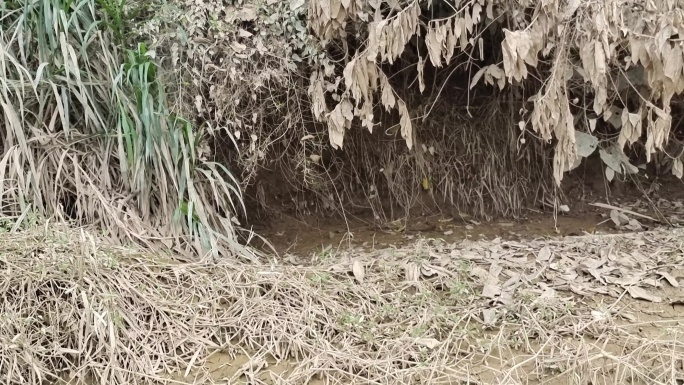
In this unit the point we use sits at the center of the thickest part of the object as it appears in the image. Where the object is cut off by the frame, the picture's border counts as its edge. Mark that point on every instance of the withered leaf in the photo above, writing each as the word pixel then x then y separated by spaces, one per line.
pixel 639 293
pixel 669 278
pixel 411 272
pixel 430 343
pixel 677 168
pixel 480 273
pixel 406 126
pixel 358 270
pixel 491 291
pixel 544 254
pixel 488 316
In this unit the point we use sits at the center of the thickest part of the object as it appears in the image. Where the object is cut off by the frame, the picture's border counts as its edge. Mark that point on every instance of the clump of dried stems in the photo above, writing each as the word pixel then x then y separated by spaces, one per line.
pixel 466 162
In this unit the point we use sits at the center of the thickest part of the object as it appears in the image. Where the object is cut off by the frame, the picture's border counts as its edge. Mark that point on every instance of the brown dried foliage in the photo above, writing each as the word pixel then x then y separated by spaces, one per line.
pixel 622 57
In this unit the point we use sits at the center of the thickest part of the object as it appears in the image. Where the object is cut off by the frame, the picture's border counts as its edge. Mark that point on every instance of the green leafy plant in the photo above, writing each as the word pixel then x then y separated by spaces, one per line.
pixel 91 136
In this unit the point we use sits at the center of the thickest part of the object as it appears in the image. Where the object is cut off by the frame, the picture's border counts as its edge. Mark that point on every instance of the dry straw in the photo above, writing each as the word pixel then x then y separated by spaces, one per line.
pixel 432 312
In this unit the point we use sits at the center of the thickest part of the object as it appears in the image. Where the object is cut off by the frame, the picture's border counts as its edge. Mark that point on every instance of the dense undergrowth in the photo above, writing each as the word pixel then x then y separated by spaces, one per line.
pixel 91 133
pixel 150 119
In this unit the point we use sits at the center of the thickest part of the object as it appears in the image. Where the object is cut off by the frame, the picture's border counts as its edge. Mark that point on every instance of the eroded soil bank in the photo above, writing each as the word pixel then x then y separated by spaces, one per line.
pixel 589 213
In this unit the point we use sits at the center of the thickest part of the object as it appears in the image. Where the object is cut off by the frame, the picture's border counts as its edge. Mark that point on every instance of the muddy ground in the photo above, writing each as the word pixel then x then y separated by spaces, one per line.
pixel 659 198
pixel 312 240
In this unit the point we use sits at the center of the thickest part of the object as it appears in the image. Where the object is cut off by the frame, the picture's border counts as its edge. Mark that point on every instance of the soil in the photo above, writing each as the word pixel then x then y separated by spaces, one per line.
pixel 288 232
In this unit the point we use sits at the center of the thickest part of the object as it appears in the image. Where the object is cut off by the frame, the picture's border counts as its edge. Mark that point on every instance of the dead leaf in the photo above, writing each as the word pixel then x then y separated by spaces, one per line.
pixel 618 218
pixel 491 291
pixel 421 78
pixel 243 33
pixel 544 255
pixel 494 270
pixel 430 343
pixel 358 270
pixel 597 274
pixel 480 273
pixel 591 263
pixel 515 279
pixel 639 293
pixel 247 13
pixel 477 76
pixel 670 279
pixel 411 272
pixel 296 4
pixel 238 47
pixel 634 225
pixel 488 316
pixel 405 124
pixel 677 168
pixel 598 315
pixel 570 8
pixel 506 298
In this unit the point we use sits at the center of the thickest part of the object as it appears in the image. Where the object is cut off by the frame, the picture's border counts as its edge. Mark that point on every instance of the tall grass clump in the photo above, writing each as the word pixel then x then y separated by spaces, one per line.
pixel 89 135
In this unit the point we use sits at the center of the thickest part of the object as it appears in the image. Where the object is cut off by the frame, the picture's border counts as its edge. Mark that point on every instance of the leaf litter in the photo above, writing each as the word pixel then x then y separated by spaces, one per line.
pixel 468 312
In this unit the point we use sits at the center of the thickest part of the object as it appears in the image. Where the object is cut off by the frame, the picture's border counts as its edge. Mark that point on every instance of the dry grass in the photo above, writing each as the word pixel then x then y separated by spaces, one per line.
pixel 74 307
pixel 90 133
